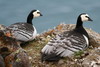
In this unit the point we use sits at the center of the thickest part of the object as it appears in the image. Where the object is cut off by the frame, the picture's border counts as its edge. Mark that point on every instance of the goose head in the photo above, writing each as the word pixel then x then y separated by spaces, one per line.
pixel 82 18
pixel 36 13
pixel 33 14
pixel 85 17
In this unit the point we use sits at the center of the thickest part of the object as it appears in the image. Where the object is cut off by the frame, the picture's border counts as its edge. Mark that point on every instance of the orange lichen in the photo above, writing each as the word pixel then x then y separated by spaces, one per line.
pixel 8 34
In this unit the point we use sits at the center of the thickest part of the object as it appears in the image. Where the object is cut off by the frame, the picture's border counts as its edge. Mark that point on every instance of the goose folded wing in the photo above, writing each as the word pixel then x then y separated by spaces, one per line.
pixel 64 45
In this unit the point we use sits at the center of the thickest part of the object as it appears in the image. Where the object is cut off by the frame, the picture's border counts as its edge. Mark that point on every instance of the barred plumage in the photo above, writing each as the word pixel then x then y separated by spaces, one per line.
pixel 23 31
pixel 67 43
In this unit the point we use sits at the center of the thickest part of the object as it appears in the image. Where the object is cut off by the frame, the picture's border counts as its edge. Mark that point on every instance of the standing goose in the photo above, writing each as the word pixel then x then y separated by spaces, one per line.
pixel 67 43
pixel 25 31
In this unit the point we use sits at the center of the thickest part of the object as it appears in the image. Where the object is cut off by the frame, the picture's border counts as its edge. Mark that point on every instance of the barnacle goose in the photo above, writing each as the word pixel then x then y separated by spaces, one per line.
pixel 25 31
pixel 67 43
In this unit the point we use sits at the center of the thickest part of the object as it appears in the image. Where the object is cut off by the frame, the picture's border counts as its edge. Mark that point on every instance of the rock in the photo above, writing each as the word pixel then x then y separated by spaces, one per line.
pixel 19 58
pixel 7 44
pixel 6 31
pixel 11 52
pixel 94 38
pixel 93 59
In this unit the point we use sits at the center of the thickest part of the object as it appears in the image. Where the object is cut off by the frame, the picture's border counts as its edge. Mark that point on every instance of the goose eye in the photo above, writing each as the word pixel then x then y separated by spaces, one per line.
pixel 38 12
pixel 86 16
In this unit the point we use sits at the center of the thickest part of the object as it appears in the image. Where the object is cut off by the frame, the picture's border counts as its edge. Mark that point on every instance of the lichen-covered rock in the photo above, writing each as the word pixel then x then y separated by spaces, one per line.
pixel 15 54
pixel 7 44
pixel 11 54
pixel 6 30
pixel 94 38
pixel 19 58
pixel 93 59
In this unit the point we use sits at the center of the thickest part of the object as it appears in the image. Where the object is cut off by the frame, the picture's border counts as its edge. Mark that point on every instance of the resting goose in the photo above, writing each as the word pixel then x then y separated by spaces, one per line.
pixel 25 31
pixel 68 42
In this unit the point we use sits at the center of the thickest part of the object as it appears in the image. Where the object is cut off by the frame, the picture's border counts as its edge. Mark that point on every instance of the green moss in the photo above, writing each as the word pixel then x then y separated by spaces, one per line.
pixel 78 54
pixel 18 60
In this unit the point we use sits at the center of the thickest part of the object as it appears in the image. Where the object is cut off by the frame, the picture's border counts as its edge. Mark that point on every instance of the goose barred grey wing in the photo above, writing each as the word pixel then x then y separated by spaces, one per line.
pixel 64 44
pixel 22 31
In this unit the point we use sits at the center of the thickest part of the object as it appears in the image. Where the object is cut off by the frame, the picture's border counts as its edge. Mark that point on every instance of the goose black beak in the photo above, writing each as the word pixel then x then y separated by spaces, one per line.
pixel 41 14
pixel 90 19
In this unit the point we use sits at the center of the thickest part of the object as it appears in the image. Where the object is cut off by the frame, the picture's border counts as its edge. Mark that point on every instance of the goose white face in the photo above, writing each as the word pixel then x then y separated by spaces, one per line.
pixel 36 13
pixel 85 17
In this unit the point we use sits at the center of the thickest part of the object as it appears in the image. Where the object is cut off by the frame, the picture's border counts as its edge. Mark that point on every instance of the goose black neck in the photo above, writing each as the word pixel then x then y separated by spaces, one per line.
pixel 29 18
pixel 79 22
pixel 79 27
